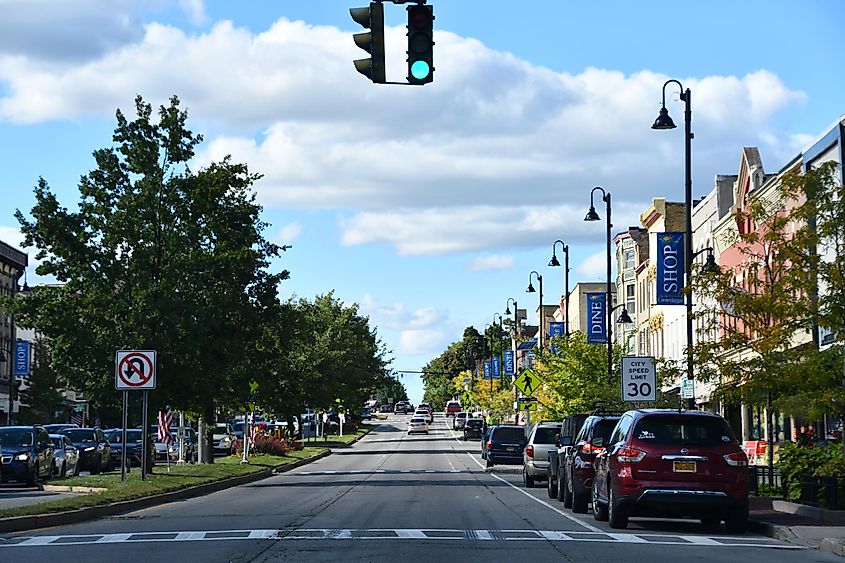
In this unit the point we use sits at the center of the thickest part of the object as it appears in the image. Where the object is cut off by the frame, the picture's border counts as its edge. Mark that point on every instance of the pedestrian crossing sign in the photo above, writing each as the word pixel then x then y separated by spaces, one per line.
pixel 527 382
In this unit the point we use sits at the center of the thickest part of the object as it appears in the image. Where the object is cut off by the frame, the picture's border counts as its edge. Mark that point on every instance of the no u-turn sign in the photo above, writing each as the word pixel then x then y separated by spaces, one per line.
pixel 135 370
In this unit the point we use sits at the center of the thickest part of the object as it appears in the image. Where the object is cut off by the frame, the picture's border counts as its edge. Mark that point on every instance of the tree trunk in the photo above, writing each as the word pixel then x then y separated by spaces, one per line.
pixel 770 447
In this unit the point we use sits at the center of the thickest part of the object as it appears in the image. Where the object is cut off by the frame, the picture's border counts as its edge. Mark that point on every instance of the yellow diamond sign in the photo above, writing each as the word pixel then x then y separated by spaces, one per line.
pixel 527 382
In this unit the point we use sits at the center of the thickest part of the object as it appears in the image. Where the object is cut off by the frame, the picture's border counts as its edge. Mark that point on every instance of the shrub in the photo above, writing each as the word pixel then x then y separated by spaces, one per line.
pixel 796 462
pixel 264 445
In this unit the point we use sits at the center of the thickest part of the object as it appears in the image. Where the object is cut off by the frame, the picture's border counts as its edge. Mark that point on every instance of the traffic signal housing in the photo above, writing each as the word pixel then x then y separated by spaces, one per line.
pixel 372 18
pixel 420 44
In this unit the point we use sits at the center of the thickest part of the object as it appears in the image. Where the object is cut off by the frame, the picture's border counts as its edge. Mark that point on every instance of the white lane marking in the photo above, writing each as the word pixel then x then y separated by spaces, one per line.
pixel 541 501
pixel 413 534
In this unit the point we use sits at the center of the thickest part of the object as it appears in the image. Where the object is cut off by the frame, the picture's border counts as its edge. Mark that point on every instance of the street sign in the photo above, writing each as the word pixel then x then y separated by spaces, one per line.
pixel 527 382
pixel 135 370
pixel 529 406
pixel 465 399
pixel 527 400
pixel 687 388
pixel 639 383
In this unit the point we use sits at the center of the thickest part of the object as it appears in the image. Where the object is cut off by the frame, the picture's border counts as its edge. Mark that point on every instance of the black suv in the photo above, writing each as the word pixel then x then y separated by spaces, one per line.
pixel 504 445
pixel 27 453
pixel 94 448
pixel 568 430
pixel 575 471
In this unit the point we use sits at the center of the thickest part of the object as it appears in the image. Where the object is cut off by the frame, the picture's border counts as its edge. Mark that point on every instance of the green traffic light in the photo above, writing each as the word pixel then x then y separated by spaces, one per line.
pixel 420 70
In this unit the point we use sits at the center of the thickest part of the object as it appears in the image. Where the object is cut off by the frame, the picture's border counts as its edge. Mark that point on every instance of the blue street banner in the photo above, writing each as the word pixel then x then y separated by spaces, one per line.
pixel 597 318
pixel 497 371
pixel 555 329
pixel 22 357
pixel 486 369
pixel 509 363
pixel 670 268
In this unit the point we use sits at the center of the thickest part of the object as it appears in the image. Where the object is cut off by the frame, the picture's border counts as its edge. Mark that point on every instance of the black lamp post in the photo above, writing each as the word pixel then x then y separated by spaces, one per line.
pixel 554 263
pixel 593 216
pixel 663 121
pixel 531 290
pixel 501 350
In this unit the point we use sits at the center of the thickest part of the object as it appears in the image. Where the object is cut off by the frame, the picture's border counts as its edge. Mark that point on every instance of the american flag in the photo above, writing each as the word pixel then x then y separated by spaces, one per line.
pixel 165 419
pixel 253 429
pixel 76 417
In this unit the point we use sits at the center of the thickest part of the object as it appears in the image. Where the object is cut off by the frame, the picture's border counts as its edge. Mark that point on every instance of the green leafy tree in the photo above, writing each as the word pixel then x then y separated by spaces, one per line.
pixel 155 256
pixel 42 400
pixel 439 372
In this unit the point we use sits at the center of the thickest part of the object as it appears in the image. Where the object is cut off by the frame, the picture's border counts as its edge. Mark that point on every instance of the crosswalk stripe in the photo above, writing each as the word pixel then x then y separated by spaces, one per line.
pixel 424 534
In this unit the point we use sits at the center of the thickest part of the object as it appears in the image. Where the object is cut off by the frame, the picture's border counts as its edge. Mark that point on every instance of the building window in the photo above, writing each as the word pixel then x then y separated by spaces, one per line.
pixel 629 260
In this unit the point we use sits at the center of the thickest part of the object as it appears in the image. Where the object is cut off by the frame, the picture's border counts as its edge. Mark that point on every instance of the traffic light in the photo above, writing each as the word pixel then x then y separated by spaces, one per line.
pixel 371 41
pixel 420 44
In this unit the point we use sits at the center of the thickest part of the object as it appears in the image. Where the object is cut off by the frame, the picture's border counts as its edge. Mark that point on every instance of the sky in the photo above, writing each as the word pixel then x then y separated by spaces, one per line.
pixel 428 206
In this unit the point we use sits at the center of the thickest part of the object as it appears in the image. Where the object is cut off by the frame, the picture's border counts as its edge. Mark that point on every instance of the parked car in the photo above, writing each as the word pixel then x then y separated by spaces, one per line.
pixel 453 408
pixel 417 424
pixel 365 413
pixel 94 448
pixel 224 438
pixel 27 454
pixel 542 441
pixel 189 445
pixel 504 445
pixel 575 475
pixel 668 463
pixel 568 430
pixel 459 420
pixel 472 428
pixel 56 428
pixel 385 409
pixel 66 456
pixel 133 449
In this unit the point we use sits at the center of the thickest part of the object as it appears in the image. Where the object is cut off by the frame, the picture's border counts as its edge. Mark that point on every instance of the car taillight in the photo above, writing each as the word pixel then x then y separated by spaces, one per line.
pixel 489 445
pixel 736 459
pixel 529 451
pixel 629 455
pixel 588 448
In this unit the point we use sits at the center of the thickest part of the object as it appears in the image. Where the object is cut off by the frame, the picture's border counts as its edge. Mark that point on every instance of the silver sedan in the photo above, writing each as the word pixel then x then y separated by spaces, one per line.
pixel 67 456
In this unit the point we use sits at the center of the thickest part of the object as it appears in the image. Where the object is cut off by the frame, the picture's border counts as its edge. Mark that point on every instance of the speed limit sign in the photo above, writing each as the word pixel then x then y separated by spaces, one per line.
pixel 639 383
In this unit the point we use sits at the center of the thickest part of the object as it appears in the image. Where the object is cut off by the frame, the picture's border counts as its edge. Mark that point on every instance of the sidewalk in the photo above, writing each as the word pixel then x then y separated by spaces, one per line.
pixel 811 527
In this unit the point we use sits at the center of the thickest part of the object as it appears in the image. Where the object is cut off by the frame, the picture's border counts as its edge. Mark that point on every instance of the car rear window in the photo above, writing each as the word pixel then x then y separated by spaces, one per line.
pixel 546 435
pixel 686 431
pixel 604 428
pixel 510 434
pixel 473 423
pixel 80 435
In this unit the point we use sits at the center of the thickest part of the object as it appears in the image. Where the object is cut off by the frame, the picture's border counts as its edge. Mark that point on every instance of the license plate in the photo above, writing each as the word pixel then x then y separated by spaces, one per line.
pixel 510 449
pixel 683 466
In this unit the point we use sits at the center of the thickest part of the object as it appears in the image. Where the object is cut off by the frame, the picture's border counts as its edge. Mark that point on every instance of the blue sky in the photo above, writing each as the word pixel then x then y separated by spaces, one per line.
pixel 428 206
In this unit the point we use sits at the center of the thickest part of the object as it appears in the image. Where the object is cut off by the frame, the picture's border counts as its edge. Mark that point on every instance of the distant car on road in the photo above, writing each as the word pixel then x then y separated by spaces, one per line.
pixel 56 428
pixel 453 408
pixel 133 449
pixel 425 413
pixel 459 420
pixel 542 441
pixel 472 428
pixel 67 456
pixel 417 424
pixel 402 407
pixel 224 438
pixel 504 445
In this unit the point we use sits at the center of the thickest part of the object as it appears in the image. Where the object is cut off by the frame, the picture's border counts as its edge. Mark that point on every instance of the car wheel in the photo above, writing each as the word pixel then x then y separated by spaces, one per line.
pixel 617 515
pixel 599 510
pixel 489 463
pixel 710 523
pixel 527 479
pixel 33 477
pixel 95 469
pixel 566 493
pixel 579 501
pixel 551 487
pixel 63 471
pixel 737 520
pixel 51 472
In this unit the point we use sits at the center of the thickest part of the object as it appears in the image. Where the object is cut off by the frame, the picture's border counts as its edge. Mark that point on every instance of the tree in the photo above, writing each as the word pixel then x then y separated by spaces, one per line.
pixel 156 257
pixel 42 400
pixel 458 356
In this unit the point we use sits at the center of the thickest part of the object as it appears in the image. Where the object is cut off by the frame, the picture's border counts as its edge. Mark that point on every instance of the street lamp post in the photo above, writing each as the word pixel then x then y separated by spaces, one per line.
pixel 501 350
pixel 531 290
pixel 554 263
pixel 593 216
pixel 663 121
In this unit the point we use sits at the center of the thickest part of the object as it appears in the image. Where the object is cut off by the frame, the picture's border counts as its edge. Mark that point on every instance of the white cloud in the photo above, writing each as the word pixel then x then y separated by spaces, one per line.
pixel 288 233
pixel 476 161
pixel 396 317
pixel 594 268
pixel 195 10
pixel 492 262
pixel 421 342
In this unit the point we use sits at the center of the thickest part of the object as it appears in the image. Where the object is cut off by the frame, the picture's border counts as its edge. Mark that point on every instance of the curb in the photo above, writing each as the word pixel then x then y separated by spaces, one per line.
pixel 777 532
pixel 22 523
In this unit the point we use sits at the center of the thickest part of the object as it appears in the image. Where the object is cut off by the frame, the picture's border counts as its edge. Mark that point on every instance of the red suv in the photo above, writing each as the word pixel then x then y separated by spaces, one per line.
pixel 670 463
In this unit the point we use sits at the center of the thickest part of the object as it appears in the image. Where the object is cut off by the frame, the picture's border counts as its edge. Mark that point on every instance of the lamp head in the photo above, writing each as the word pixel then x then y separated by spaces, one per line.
pixel 530 288
pixel 592 215
pixel 554 262
pixel 624 318
pixel 663 120
pixel 508 310
pixel 710 266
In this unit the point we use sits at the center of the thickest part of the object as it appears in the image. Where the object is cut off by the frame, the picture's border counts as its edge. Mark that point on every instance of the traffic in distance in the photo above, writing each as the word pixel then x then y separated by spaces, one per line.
pixel 640 463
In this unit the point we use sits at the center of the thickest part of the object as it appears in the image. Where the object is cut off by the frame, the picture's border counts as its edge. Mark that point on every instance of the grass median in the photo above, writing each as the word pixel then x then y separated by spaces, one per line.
pixel 160 481
pixel 179 477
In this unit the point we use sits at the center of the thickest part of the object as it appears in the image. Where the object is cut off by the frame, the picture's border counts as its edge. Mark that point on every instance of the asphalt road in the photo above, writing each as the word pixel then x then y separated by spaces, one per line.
pixel 391 497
